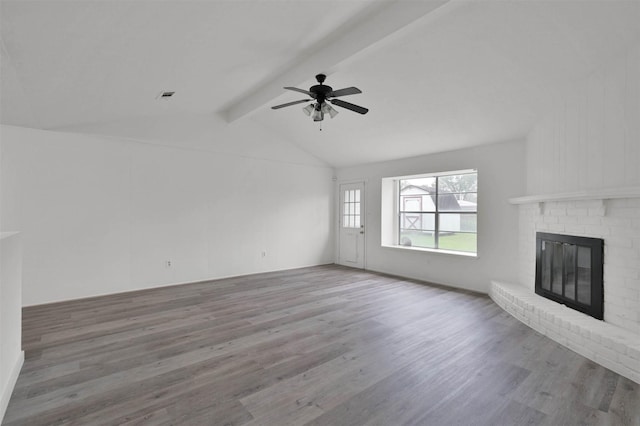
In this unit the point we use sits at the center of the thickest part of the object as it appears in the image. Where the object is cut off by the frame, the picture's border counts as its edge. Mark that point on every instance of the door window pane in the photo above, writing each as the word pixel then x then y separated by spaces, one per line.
pixel 351 209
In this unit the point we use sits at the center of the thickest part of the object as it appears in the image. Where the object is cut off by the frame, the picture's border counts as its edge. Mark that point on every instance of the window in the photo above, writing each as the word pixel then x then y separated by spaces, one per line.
pixel 434 212
pixel 351 208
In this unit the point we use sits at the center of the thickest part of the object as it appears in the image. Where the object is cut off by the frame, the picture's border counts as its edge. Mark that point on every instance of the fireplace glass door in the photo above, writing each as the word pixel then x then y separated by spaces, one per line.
pixel 569 271
pixel 566 270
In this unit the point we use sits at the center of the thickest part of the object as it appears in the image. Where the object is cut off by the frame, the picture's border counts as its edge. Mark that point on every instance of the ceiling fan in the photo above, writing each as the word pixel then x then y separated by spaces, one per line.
pixel 321 94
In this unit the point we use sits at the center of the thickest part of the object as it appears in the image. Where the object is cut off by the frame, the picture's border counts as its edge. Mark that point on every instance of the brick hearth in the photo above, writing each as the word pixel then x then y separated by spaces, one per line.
pixel 609 345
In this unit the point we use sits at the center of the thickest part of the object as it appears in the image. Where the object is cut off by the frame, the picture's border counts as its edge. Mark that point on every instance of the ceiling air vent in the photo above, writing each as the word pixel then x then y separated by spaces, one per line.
pixel 165 95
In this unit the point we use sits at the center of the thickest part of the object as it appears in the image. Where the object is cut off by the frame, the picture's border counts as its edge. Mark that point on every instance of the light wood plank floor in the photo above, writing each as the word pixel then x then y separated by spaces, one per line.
pixel 324 345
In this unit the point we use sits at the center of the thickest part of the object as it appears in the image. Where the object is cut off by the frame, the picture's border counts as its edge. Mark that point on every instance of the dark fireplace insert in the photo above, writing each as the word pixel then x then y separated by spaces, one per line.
pixel 569 271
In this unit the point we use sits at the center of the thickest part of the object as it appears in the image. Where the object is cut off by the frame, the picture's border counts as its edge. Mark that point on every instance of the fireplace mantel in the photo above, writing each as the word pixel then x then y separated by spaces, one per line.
pixel 595 194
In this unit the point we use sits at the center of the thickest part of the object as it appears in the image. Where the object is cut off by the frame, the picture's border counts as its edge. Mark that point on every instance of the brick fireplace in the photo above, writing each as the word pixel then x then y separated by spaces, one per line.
pixel 613 217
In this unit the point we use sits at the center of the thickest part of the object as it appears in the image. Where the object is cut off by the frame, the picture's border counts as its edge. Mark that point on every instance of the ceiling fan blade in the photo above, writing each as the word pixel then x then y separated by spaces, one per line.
pixel 290 103
pixel 344 92
pixel 347 105
pixel 306 92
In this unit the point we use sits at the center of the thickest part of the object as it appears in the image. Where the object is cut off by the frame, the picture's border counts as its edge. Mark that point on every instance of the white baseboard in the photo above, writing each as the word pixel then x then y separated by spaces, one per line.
pixel 11 383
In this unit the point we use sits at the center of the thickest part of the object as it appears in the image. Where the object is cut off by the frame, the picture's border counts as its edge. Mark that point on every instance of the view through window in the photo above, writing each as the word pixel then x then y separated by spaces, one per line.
pixel 439 212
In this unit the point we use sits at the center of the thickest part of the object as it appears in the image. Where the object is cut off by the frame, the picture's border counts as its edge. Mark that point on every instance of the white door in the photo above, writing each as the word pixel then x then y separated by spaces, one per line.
pixel 351 222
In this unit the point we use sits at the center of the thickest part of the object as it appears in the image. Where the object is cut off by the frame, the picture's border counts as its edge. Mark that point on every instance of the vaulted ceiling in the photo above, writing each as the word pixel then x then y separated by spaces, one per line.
pixel 436 75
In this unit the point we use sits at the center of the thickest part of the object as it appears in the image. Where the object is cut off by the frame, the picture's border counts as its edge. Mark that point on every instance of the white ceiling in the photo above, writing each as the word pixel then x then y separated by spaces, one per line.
pixel 435 78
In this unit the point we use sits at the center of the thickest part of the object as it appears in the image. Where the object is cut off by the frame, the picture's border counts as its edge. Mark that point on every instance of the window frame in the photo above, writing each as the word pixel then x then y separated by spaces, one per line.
pixel 398 213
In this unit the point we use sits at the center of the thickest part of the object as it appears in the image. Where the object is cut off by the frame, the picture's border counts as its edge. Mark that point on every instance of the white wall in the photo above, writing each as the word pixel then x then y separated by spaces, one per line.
pixel 11 355
pixel 590 139
pixel 102 215
pixel 500 176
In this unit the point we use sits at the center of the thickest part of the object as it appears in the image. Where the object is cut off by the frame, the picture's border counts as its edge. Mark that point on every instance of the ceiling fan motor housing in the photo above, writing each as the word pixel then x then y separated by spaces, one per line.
pixel 321 91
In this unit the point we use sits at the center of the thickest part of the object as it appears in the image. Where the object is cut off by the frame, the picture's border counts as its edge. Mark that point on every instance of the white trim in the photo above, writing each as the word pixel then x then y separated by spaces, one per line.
pixel 178 283
pixel 127 139
pixel 348 181
pixel 433 174
pixel 430 250
pixel 11 384
pixel 597 194
pixel 424 281
pixel 363 214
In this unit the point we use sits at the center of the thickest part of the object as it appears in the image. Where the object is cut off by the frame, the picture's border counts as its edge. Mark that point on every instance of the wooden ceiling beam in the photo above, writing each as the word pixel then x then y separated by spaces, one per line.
pixel 374 24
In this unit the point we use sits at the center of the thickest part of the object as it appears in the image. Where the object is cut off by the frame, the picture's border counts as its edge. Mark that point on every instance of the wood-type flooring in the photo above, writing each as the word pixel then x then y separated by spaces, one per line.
pixel 324 345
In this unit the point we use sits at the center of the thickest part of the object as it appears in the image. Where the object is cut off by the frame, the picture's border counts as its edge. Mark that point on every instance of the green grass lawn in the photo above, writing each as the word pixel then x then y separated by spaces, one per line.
pixel 453 241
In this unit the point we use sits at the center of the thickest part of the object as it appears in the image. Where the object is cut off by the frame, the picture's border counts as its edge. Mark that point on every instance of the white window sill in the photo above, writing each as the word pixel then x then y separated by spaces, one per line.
pixel 429 250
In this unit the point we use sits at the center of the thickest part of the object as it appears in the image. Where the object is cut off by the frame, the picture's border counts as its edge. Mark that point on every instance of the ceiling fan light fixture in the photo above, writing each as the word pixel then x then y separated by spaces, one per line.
pixel 308 109
pixel 328 109
pixel 317 115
